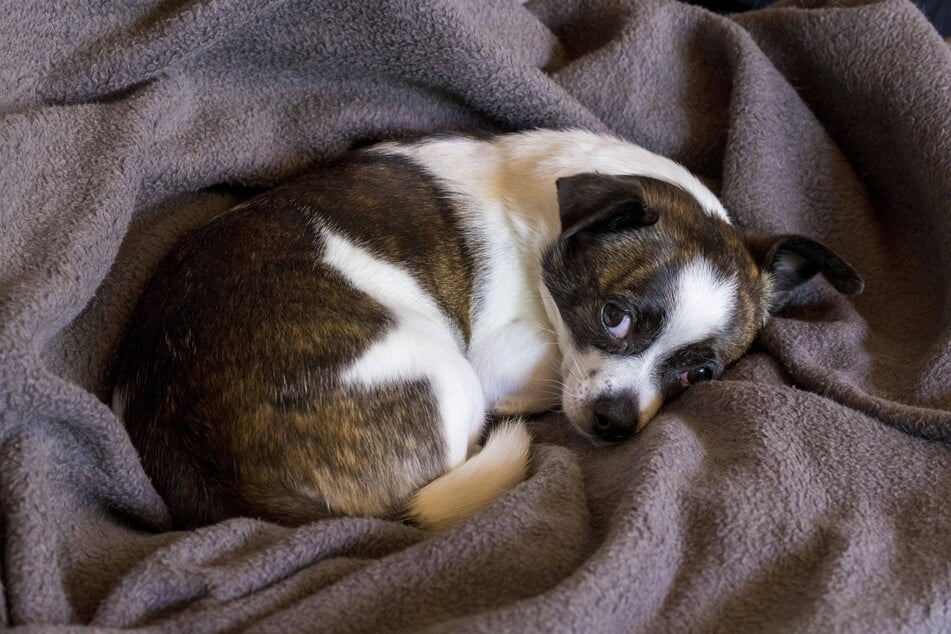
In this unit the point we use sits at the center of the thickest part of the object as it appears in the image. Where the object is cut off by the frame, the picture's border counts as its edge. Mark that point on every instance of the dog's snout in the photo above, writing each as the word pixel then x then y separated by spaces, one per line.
pixel 615 417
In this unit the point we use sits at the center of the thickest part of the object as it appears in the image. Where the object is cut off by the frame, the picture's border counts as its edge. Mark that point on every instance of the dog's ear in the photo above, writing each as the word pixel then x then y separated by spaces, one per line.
pixel 792 260
pixel 600 203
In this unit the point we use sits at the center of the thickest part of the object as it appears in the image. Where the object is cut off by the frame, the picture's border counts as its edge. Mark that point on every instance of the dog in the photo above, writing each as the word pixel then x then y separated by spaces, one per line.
pixel 335 345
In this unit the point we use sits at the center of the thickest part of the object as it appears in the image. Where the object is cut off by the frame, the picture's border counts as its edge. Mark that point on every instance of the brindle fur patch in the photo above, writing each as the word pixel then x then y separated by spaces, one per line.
pixel 230 365
pixel 389 206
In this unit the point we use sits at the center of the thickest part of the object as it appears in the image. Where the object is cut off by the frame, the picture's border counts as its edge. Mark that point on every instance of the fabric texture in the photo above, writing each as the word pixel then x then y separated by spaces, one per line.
pixel 806 491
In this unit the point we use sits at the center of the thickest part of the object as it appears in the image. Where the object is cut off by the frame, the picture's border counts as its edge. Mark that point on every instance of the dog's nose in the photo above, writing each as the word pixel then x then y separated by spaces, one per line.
pixel 615 417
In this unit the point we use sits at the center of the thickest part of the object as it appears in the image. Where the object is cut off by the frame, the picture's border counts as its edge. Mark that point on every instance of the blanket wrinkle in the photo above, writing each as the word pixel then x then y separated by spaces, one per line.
pixel 785 497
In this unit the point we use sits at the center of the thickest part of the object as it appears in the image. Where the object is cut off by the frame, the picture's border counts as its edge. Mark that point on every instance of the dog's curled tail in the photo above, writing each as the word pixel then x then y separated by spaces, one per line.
pixel 499 466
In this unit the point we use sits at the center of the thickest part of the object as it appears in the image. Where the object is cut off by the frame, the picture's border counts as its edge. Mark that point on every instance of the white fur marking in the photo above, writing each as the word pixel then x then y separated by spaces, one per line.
pixel 702 304
pixel 423 345
pixel 387 283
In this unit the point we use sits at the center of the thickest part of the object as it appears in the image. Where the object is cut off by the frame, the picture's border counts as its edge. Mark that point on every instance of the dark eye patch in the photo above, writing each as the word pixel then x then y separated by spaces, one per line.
pixel 646 325
pixel 685 358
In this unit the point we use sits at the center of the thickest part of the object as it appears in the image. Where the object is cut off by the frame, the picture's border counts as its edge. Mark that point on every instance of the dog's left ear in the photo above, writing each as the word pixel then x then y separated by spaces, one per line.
pixel 792 260
pixel 601 203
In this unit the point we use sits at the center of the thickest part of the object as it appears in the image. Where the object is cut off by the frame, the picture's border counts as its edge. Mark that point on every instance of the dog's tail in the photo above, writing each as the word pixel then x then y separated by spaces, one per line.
pixel 469 487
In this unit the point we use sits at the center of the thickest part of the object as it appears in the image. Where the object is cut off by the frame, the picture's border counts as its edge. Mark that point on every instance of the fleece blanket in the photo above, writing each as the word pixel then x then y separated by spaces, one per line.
pixel 806 491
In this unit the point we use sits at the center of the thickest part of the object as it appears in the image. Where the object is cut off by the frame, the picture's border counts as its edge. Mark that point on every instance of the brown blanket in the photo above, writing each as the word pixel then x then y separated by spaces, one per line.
pixel 788 496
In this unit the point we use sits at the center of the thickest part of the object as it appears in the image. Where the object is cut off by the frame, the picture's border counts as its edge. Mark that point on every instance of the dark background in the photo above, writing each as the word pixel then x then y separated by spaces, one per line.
pixel 938 11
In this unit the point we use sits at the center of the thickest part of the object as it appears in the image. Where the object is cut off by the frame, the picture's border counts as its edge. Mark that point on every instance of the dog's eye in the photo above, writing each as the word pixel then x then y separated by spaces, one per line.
pixel 696 375
pixel 616 320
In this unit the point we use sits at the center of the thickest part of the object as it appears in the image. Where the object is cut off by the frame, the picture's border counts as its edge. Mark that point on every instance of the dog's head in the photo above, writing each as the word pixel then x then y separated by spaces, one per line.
pixel 650 294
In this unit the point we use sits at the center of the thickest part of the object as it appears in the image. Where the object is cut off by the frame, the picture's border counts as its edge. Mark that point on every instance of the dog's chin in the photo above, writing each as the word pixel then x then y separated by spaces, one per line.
pixel 593 440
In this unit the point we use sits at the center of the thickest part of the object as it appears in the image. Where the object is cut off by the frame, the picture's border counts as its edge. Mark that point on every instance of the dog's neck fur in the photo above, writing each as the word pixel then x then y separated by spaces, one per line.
pixel 518 171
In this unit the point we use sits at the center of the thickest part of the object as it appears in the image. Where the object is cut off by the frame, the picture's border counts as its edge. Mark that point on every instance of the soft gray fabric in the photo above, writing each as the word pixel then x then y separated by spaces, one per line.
pixel 785 497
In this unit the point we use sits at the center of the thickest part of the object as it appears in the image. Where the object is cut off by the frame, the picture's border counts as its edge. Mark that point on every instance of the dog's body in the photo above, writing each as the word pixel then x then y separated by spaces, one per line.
pixel 334 345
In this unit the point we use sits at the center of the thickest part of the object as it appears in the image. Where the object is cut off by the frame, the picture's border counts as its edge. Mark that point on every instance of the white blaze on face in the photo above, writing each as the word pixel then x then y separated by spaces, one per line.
pixel 698 306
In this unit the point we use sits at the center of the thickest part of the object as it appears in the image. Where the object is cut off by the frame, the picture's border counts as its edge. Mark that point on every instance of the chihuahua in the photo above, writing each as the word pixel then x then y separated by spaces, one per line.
pixel 335 345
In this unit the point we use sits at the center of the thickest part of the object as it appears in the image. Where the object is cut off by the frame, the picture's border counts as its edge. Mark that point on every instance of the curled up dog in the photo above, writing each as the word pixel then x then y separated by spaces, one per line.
pixel 334 346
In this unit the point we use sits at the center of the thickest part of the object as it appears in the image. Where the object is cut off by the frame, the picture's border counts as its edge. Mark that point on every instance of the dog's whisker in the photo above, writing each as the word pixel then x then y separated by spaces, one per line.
pixel 559 384
pixel 578 376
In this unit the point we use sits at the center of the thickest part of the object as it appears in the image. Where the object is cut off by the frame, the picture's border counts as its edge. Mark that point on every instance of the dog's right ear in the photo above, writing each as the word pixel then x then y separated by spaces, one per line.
pixel 601 203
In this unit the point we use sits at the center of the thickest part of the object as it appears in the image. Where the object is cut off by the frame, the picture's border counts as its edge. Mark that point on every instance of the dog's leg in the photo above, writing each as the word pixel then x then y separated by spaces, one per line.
pixel 518 366
pixel 541 393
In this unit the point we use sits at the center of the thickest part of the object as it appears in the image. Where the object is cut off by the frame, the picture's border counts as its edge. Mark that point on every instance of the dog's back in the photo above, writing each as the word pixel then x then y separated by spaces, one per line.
pixel 301 354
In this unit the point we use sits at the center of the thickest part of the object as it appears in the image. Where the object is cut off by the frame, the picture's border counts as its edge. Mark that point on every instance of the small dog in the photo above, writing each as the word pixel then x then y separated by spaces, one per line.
pixel 334 345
